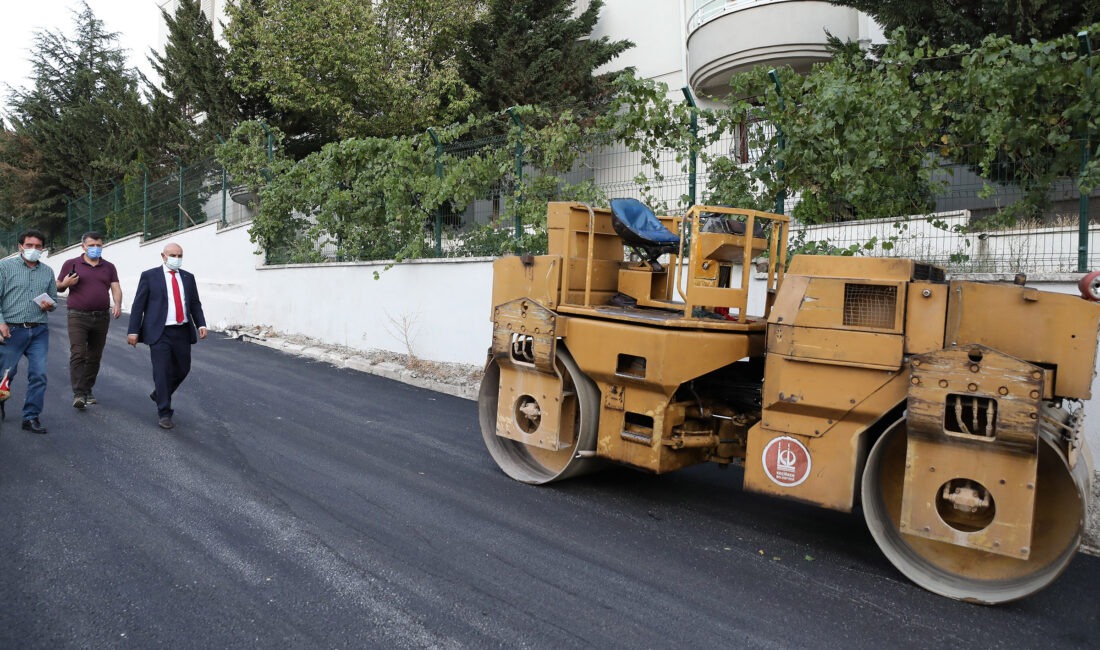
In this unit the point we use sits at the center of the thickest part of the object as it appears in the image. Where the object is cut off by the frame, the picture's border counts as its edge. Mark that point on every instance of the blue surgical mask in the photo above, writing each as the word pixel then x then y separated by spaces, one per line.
pixel 173 263
pixel 94 252
pixel 32 254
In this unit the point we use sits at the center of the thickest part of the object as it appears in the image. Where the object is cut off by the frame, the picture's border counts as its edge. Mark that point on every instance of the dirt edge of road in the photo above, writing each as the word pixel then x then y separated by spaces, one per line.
pixel 458 379
pixel 462 380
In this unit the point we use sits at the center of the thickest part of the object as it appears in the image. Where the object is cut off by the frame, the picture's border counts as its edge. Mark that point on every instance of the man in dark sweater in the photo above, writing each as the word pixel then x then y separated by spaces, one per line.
pixel 92 283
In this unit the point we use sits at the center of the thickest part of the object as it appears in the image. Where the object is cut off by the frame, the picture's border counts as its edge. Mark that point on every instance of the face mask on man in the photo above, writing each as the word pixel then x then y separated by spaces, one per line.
pixel 32 254
pixel 174 263
pixel 94 252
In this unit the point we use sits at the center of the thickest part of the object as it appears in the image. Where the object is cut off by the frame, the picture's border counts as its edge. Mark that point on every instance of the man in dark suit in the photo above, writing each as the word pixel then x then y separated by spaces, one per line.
pixel 167 316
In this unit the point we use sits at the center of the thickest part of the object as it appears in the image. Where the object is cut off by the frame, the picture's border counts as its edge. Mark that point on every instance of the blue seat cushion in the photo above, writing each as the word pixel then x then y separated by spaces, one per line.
pixel 639 220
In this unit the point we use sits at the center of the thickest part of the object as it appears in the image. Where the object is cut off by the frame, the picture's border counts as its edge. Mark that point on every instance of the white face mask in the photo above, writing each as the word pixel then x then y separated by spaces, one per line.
pixel 32 254
pixel 174 263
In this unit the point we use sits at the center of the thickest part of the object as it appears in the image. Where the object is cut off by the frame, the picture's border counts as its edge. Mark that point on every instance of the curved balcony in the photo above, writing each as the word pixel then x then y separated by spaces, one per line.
pixel 730 36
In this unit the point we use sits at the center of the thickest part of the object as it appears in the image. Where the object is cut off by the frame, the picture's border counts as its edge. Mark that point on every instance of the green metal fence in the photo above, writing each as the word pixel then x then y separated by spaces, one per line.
pixel 152 208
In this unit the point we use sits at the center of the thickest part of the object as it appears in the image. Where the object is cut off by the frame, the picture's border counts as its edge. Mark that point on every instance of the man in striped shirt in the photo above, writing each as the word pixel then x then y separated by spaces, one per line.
pixel 27 293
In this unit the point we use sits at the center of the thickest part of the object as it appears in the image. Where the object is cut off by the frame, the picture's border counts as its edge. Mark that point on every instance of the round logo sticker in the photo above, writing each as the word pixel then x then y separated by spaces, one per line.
pixel 786 461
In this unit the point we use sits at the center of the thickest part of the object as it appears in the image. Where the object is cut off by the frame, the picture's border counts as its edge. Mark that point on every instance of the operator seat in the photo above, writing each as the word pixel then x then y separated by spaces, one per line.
pixel 642 231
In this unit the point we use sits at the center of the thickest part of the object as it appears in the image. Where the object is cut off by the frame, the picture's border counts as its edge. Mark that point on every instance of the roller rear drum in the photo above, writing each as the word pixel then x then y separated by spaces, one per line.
pixel 966 573
pixel 529 463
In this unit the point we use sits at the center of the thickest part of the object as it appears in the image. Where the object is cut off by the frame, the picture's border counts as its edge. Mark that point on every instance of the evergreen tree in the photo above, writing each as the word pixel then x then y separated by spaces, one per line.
pixel 534 52
pixel 967 22
pixel 19 178
pixel 197 103
pixel 83 116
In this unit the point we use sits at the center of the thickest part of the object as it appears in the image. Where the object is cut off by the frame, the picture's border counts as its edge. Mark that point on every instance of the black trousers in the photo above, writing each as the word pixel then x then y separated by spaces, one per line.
pixel 171 357
pixel 87 336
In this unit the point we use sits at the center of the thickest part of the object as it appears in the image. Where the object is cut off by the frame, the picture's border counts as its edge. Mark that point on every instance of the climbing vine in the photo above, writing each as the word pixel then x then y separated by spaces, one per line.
pixel 864 137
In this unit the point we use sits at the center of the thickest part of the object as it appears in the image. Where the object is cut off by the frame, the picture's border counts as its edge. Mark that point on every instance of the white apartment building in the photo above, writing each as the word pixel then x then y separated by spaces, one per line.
pixel 701 43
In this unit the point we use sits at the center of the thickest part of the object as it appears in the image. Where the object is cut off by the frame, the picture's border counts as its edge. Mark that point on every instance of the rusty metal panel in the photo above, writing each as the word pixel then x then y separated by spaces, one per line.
pixel 657 361
pixel 788 299
pixel 567 227
pixel 1006 481
pixel 1055 330
pixel 672 356
pixel 534 404
pixel 925 316
pixel 972 455
pixel 623 439
pixel 976 394
pixel 650 288
pixel 810 399
pixel 835 448
pixel 525 332
pixel 821 471
pixel 538 280
pixel 836 303
pixel 613 397
pixel 534 408
pixel 857 348
pixel 605 275
pixel 870 268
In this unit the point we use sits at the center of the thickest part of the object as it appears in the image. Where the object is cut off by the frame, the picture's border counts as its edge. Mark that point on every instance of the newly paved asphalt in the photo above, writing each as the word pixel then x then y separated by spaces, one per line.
pixel 299 505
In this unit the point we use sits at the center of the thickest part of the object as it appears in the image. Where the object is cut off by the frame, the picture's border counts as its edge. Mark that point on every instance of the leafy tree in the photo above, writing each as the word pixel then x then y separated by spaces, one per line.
pixel 376 198
pixel 533 52
pixel 857 132
pixel 197 103
pixel 967 22
pixel 333 69
pixel 1018 113
pixel 865 138
pixel 83 117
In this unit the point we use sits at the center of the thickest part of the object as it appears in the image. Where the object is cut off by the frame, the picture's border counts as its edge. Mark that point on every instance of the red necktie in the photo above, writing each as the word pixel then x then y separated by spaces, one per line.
pixel 176 298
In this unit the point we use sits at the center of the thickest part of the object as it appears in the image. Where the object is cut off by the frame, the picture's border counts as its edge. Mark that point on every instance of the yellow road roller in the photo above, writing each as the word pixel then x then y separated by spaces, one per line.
pixel 949 411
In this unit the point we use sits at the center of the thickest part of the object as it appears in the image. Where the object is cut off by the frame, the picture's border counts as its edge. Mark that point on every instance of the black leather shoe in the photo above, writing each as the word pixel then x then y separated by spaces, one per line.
pixel 34 426
pixel 153 395
pixel 163 423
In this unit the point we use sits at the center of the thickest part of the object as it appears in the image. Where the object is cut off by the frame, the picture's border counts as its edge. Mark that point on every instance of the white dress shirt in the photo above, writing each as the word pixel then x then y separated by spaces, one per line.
pixel 170 318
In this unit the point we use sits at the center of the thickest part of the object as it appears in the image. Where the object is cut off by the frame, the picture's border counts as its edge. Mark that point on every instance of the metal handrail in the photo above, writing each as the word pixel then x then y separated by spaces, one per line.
pixel 708 11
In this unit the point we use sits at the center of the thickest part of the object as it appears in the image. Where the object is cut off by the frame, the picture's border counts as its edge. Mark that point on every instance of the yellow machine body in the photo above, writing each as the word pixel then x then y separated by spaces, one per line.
pixel 945 408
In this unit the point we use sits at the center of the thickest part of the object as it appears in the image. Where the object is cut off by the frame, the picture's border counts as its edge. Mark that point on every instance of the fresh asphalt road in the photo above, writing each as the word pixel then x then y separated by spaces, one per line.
pixel 300 505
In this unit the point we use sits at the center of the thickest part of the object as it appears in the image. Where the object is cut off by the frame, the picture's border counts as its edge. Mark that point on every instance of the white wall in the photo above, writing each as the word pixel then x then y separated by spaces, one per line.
pixel 657 29
pixel 442 307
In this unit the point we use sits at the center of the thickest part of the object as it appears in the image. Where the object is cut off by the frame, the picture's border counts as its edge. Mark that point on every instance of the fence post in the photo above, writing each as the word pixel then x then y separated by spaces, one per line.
pixel 116 192
pixel 519 176
pixel 694 143
pixel 90 205
pixel 781 194
pixel 144 202
pixel 225 191
pixel 68 215
pixel 1083 209
pixel 270 141
pixel 438 208
pixel 179 205
pixel 225 184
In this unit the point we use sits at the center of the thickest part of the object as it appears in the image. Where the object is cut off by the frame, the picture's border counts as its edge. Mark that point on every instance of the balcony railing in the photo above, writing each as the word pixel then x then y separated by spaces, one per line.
pixel 708 10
